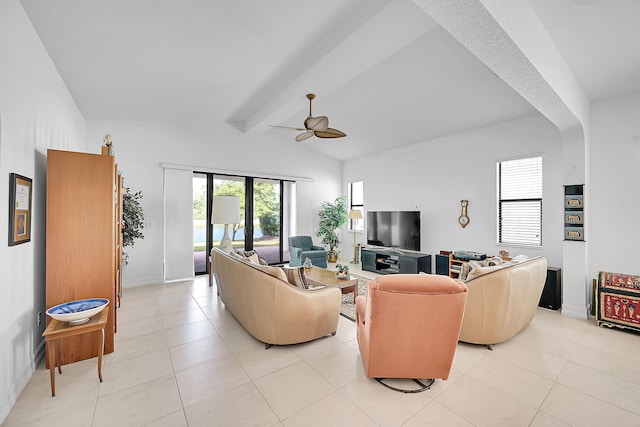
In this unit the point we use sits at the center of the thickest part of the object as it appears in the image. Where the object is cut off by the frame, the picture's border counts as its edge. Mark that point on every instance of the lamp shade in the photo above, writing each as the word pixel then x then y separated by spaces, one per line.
pixel 355 214
pixel 226 210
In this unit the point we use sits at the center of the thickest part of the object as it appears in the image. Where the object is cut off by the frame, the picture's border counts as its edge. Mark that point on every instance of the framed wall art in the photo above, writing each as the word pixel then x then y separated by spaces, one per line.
pixel 573 212
pixel 20 188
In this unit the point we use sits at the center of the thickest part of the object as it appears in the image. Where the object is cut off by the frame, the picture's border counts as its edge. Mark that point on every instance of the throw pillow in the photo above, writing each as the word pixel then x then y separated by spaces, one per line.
pixel 464 271
pixel 478 270
pixel 236 255
pixel 273 271
pixel 253 256
pixel 494 261
pixel 295 276
pixel 520 258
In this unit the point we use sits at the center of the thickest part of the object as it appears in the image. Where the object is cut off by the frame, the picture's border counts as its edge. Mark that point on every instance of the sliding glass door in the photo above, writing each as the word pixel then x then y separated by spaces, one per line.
pixel 267 219
pixel 273 219
pixel 226 185
pixel 266 216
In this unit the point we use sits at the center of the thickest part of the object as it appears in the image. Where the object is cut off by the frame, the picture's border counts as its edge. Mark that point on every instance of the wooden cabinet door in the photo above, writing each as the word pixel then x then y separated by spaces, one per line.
pixel 80 239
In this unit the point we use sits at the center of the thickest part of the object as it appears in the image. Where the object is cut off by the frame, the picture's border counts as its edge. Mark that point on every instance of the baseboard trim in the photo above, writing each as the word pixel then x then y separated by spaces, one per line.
pixel 577 312
pixel 142 282
pixel 181 279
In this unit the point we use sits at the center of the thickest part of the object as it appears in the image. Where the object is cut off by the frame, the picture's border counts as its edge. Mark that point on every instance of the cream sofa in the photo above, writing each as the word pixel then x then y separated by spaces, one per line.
pixel 271 309
pixel 502 300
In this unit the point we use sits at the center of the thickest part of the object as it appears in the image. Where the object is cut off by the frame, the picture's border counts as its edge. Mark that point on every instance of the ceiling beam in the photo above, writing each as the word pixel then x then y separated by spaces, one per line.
pixel 334 61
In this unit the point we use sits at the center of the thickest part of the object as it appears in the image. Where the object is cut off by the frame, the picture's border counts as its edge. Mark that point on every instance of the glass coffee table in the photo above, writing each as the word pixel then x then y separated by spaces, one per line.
pixel 318 276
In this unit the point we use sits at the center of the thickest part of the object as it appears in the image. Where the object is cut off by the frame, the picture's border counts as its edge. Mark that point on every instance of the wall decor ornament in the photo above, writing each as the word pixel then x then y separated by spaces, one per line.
pixel 463 219
pixel 20 189
pixel 109 144
pixel 573 212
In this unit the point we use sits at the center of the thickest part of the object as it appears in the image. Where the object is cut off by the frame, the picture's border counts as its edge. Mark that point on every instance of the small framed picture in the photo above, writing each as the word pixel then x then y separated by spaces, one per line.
pixel 19 209
pixel 573 202
pixel 574 217
pixel 574 233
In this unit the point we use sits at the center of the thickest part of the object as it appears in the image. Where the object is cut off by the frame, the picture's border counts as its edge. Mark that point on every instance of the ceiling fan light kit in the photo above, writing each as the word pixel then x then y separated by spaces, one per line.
pixel 318 126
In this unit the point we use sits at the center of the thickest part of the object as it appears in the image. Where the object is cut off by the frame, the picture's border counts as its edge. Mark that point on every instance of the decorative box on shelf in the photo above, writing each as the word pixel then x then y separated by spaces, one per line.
pixel 618 300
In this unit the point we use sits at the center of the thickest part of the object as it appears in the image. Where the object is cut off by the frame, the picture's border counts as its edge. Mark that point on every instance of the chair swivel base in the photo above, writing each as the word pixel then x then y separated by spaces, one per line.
pixel 423 386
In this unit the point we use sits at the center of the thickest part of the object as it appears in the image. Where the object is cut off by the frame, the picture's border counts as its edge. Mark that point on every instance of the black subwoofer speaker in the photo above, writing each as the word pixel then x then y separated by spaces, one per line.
pixel 552 293
pixel 442 264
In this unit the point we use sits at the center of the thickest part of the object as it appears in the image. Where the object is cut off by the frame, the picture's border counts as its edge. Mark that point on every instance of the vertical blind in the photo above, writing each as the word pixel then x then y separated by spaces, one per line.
pixel 520 201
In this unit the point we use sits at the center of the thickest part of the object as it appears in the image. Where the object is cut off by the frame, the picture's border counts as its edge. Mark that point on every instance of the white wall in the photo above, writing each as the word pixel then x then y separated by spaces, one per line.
pixel 36 113
pixel 141 147
pixel 434 176
pixel 615 185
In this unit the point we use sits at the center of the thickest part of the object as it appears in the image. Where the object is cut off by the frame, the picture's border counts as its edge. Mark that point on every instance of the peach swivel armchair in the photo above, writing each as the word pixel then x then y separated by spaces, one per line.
pixel 408 327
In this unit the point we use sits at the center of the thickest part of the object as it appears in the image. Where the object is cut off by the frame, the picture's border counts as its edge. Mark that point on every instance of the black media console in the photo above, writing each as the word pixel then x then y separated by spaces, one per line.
pixel 392 261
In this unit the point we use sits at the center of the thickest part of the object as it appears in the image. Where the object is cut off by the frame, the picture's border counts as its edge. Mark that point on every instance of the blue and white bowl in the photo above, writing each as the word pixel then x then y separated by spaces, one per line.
pixel 78 312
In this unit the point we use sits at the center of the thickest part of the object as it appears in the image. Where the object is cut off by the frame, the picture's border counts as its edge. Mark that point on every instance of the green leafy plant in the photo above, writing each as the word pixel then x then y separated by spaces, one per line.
pixel 132 220
pixel 332 217
pixel 269 224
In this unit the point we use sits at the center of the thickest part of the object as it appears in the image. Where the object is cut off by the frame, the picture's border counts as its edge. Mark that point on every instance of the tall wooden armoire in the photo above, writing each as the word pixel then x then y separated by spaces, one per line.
pixel 83 240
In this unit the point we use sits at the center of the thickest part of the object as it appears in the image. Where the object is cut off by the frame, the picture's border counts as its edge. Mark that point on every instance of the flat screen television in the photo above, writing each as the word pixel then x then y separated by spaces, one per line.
pixel 394 229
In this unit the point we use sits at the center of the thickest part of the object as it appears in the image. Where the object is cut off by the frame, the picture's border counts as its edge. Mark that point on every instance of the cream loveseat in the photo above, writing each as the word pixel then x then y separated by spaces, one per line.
pixel 268 307
pixel 502 300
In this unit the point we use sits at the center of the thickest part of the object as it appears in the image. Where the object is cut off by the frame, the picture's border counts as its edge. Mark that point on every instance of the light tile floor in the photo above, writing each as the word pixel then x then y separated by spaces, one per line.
pixel 181 359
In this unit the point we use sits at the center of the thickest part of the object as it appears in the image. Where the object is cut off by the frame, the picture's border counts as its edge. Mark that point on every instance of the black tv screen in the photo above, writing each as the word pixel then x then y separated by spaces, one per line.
pixel 394 229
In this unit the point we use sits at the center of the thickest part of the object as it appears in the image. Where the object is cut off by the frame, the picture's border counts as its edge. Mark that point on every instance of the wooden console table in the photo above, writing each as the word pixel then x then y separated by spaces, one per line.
pixel 58 330
pixel 391 261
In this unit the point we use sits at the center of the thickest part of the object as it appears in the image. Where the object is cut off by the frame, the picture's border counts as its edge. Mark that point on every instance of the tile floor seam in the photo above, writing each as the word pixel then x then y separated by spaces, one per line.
pixel 271 408
pixel 165 416
pixel 174 370
pixel 93 413
pixel 605 372
pixel 134 386
pixel 539 411
pixel 498 391
pixel 600 398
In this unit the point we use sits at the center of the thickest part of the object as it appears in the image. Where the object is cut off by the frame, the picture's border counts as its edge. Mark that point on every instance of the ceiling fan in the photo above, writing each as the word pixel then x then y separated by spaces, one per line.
pixel 318 126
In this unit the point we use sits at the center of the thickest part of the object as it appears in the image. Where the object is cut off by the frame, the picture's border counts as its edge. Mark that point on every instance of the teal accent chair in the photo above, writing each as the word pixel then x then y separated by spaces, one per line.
pixel 301 248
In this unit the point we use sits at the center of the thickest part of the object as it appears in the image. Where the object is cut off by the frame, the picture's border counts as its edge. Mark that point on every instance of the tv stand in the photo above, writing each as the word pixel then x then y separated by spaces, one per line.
pixel 393 261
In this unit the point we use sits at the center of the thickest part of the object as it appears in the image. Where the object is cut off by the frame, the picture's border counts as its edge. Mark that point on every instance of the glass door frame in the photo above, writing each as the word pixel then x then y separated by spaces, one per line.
pixel 248 212
pixel 249 205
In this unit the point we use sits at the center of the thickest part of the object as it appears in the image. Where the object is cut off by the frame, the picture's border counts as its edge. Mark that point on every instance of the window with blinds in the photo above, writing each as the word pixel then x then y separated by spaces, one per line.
pixel 520 201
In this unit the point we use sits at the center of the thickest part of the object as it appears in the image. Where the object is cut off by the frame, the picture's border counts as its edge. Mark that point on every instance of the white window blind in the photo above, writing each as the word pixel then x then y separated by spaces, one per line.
pixel 520 201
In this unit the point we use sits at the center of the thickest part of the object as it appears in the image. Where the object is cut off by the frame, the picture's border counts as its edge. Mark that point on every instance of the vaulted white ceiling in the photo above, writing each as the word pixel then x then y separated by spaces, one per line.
pixel 383 71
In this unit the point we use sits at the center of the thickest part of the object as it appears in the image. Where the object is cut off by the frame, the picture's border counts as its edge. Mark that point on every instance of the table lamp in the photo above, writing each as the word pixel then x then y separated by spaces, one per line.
pixel 354 215
pixel 226 210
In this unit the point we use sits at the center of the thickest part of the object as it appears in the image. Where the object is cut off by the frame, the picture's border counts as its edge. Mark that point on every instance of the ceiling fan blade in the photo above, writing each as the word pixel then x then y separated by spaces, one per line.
pixel 304 135
pixel 287 127
pixel 330 133
pixel 320 123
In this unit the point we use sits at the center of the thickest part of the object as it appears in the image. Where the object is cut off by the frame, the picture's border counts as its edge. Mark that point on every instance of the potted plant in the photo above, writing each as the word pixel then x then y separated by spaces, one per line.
pixel 332 217
pixel 132 220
